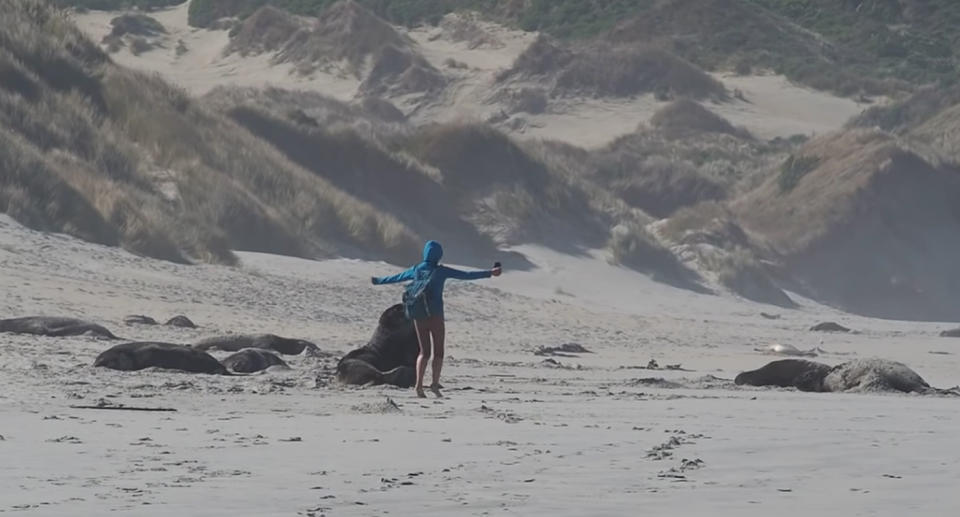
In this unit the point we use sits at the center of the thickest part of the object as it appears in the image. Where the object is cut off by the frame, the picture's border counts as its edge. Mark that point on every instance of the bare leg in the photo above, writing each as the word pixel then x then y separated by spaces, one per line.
pixel 423 337
pixel 438 330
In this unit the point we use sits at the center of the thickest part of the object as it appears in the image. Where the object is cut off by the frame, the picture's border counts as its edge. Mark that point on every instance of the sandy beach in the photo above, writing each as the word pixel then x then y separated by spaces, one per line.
pixel 517 434
pixel 647 421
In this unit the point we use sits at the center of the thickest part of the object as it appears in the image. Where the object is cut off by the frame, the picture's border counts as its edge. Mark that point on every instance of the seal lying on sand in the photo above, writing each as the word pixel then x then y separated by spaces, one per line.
pixel 390 357
pixel 251 360
pixel 181 321
pixel 829 326
pixel 800 373
pixel 238 342
pixel 874 375
pixel 950 333
pixel 137 356
pixel 53 326
pixel 139 319
pixel 858 375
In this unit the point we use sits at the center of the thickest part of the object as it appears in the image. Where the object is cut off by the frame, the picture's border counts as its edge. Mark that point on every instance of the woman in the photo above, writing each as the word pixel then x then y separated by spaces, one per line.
pixel 428 316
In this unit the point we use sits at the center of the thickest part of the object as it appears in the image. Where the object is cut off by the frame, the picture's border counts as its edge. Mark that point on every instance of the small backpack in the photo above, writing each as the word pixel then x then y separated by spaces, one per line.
pixel 415 295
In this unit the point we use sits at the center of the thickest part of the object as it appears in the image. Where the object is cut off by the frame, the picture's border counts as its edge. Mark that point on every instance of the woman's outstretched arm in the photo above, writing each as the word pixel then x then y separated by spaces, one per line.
pixel 399 277
pixel 449 272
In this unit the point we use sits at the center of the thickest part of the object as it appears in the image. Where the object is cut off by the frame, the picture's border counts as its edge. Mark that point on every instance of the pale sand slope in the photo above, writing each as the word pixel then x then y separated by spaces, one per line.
pixel 773 107
pixel 205 65
pixel 514 436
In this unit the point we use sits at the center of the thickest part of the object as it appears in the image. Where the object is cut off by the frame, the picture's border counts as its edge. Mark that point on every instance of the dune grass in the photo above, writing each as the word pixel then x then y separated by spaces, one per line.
pixel 128 159
pixel 880 47
pixel 609 70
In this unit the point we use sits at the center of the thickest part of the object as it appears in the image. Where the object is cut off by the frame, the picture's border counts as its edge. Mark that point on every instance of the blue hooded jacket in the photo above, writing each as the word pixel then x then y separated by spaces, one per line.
pixel 432 252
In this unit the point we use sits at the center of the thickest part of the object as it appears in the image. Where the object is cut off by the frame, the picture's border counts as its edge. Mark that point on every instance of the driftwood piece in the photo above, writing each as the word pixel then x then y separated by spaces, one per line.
pixel 125 408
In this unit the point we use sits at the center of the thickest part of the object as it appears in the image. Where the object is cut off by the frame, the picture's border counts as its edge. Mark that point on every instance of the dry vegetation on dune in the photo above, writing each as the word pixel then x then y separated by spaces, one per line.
pixel 604 70
pixel 344 32
pixel 127 159
pixel 708 235
pixel 871 225
pixel 739 35
pixel 505 190
pixel 138 31
pixel 688 156
pixel 343 145
pixel 345 38
pixel 901 117
pixel 123 158
pixel 863 218
pixel 929 118
pixel 685 117
pixel 633 246
pixel 266 30
pixel 848 47
pixel 466 184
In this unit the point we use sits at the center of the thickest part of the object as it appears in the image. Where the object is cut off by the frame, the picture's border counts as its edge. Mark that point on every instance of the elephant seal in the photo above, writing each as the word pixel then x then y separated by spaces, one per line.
pixel 390 357
pixel 864 375
pixel 950 333
pixel 780 349
pixel 799 373
pixel 137 356
pixel 250 360
pixel 829 326
pixel 860 375
pixel 139 319
pixel 53 326
pixel 181 321
pixel 359 372
pixel 238 342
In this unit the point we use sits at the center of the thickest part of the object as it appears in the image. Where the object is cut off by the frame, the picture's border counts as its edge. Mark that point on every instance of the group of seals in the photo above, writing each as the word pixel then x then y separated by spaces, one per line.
pixel 857 375
pixel 253 354
pixel 54 326
pixel 391 354
pixel 390 357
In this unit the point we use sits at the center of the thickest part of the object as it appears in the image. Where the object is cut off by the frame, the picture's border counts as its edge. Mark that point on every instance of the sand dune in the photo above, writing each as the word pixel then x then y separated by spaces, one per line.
pixel 772 107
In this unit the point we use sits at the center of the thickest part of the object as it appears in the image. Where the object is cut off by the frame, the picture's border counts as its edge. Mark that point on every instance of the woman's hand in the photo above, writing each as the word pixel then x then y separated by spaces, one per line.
pixel 496 271
pixel 373 280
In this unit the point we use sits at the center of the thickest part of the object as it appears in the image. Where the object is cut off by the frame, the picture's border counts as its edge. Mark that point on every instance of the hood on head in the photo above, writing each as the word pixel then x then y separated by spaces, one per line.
pixel 432 252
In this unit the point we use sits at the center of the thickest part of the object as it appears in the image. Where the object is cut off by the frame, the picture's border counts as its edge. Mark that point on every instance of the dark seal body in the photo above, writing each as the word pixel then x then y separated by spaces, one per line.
pixel 390 357
pixel 238 342
pixel 829 326
pixel 181 321
pixel 54 326
pixel 137 356
pixel 250 360
pixel 139 319
pixel 799 373
pixel 951 333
